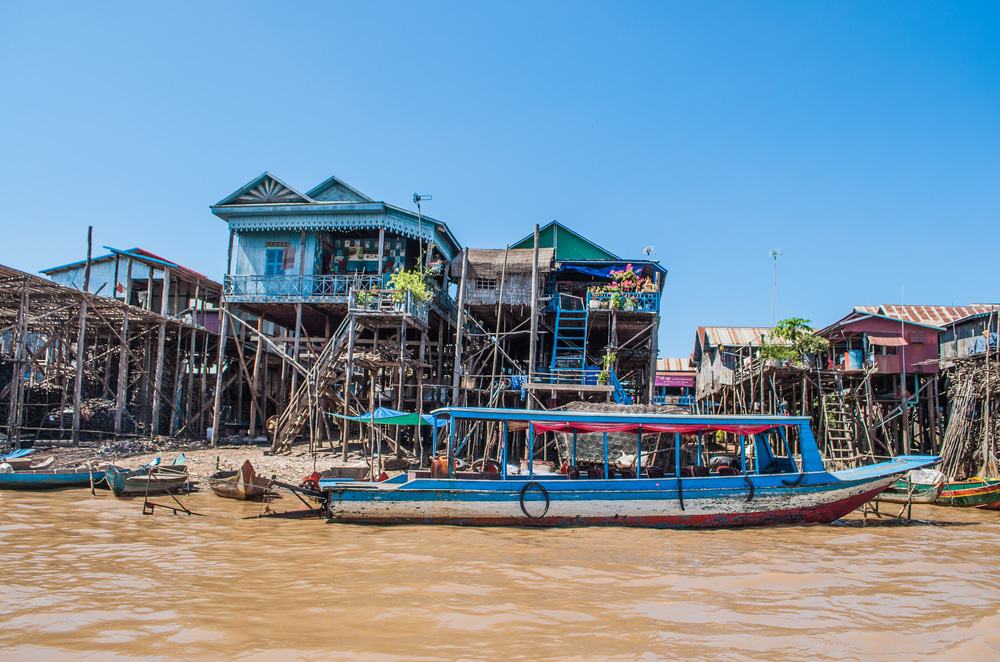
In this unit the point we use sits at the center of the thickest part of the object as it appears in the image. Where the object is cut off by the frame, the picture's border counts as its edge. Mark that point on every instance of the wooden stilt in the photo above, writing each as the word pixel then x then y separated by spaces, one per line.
pixel 81 338
pixel 456 375
pixel 161 338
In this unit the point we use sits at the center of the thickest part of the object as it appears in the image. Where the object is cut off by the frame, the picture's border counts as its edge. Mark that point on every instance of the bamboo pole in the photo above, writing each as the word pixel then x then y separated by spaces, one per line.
pixel 459 330
pixel 81 336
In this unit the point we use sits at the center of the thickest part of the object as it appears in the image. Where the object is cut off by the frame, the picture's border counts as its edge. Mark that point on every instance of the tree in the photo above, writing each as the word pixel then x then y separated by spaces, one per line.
pixel 793 339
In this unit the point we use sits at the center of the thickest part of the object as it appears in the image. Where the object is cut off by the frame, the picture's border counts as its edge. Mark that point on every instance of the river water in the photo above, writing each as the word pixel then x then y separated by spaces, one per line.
pixel 84 576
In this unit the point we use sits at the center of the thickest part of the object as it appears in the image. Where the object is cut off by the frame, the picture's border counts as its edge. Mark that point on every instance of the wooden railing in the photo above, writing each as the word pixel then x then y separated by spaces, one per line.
pixel 326 288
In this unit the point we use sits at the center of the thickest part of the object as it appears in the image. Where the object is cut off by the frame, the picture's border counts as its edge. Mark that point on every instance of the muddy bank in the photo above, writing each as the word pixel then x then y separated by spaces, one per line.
pixel 202 460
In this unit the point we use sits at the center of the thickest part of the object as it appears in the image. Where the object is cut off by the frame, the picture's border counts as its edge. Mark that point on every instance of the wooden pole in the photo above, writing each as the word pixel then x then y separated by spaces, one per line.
pixel 220 362
pixel 223 332
pixel 161 338
pixel 381 251
pixel 533 340
pixel 459 330
pixel 254 382
pixel 16 413
pixel 402 379
pixel 81 334
pixel 192 350
pixel 345 425
pixel 297 343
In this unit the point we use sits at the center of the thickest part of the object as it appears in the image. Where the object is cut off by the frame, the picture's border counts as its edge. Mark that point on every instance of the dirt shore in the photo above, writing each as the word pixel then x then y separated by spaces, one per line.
pixel 202 461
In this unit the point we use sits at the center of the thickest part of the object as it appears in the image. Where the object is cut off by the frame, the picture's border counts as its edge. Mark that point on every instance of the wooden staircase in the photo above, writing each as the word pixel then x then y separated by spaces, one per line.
pixel 320 382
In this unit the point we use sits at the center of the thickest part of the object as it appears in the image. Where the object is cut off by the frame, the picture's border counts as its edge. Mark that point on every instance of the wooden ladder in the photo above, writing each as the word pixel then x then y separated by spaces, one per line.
pixel 841 447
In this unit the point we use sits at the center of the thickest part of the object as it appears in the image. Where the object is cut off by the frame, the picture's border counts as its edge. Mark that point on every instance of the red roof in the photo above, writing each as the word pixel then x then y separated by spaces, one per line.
pixel 932 315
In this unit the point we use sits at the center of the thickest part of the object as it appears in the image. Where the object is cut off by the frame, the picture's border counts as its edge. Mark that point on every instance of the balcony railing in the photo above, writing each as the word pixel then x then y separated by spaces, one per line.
pixel 639 302
pixel 297 287
pixel 387 302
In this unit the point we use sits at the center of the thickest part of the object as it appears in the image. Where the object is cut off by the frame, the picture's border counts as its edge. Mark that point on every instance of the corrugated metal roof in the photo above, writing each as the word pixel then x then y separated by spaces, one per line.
pixel 142 255
pixel 934 315
pixel 674 364
pixel 734 336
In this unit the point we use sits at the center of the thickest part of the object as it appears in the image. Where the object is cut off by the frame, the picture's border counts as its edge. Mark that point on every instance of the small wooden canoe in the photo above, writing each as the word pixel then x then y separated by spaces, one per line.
pixel 243 484
pixel 48 479
pixel 143 481
pixel 970 493
pixel 20 452
pixel 29 464
pixel 902 491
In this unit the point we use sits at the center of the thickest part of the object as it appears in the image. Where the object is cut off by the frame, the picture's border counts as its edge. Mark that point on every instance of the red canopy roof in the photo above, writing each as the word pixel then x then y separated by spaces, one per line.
pixel 682 428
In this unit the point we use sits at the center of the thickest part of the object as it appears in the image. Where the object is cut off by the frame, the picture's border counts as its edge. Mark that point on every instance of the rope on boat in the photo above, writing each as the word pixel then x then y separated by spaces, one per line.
pixel 797 481
pixel 680 492
pixel 545 493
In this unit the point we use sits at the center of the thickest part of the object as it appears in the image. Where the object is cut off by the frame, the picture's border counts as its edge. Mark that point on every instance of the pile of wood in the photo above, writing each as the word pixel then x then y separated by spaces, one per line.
pixel 971 438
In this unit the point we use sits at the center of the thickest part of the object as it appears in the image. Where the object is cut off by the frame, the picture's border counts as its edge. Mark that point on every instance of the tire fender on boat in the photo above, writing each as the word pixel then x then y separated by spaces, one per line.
pixel 545 493
pixel 751 486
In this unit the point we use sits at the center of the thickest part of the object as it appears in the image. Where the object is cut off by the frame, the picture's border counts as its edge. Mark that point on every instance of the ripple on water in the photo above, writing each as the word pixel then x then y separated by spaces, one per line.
pixel 85 575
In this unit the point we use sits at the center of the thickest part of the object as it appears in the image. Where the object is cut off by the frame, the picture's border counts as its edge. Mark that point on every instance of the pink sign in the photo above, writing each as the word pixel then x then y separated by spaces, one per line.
pixel 676 381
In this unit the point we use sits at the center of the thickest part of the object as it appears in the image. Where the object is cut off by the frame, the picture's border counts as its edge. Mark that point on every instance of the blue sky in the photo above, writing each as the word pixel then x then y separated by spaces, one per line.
pixel 862 139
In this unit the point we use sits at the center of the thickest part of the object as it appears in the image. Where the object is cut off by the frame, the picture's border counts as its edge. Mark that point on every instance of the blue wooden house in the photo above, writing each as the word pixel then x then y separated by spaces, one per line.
pixel 320 264
pixel 312 249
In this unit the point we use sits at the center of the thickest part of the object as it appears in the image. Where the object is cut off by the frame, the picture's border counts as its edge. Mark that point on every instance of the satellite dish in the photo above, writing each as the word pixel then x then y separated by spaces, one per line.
pixel 649 250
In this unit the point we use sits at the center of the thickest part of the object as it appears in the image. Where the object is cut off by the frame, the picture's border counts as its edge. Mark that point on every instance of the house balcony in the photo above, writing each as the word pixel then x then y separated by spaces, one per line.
pixel 297 288
pixel 388 304
pixel 637 302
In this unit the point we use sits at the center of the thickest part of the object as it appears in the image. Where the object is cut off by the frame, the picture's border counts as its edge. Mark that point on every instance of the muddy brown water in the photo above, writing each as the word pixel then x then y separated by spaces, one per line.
pixel 85 577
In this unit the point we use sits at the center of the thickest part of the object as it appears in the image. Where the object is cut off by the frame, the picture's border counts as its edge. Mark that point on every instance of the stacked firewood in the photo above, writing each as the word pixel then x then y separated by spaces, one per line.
pixel 971 439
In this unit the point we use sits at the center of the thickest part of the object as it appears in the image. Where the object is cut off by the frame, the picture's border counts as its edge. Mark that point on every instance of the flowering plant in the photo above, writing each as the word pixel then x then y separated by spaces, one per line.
pixel 625 280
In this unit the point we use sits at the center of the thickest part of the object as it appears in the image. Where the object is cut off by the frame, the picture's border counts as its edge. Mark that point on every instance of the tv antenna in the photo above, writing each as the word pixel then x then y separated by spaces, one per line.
pixel 417 199
pixel 774 254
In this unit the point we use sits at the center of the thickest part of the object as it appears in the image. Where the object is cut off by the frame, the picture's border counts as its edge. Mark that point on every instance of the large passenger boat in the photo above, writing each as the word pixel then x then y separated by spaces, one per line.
pixel 714 471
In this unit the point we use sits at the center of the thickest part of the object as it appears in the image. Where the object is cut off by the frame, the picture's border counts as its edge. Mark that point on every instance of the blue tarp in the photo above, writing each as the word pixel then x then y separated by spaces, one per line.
pixel 386 416
pixel 603 271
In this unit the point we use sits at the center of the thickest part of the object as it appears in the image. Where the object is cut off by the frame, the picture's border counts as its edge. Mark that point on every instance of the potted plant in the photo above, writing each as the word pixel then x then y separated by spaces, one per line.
pixel 412 281
pixel 615 303
pixel 364 299
pixel 596 301
pixel 630 303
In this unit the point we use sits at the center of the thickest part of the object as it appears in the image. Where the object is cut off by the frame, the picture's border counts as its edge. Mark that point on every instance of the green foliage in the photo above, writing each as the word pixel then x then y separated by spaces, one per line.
pixel 607 363
pixel 413 281
pixel 795 339
pixel 364 298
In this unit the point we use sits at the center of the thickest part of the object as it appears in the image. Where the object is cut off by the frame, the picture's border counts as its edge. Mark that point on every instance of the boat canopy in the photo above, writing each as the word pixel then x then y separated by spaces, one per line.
pixel 681 428
pixel 536 421
pixel 590 421
pixel 386 416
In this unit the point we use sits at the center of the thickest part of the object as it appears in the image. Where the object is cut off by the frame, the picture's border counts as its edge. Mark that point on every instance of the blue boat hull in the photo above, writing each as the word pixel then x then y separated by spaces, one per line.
pixel 714 501
pixel 48 480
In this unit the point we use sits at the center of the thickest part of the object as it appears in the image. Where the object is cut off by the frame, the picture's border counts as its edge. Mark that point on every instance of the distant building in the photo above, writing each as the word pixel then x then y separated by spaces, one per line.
pixel 968 335
pixel 676 380
pixel 718 352
pixel 136 276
